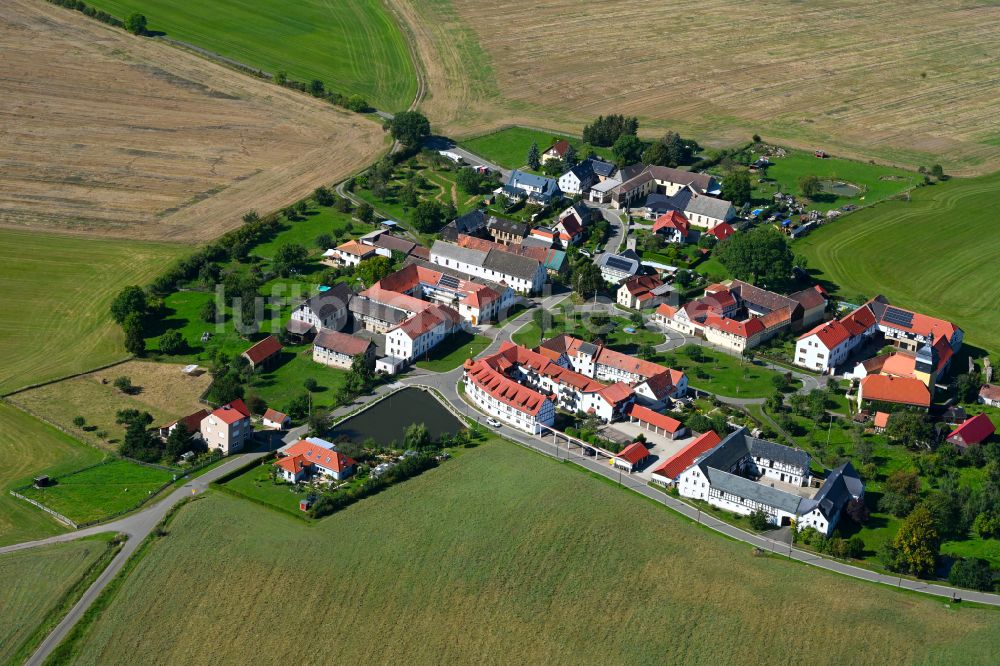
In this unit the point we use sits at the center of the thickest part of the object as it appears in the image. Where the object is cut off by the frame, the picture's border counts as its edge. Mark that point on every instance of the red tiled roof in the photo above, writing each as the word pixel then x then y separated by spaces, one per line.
pixel 274 415
pixel 319 455
pixel 831 334
pixel 263 350
pixel 615 393
pixel 680 461
pixel 232 412
pixel 859 321
pixel 559 147
pixel 900 365
pixel 642 284
pixel 504 389
pixel 990 392
pixel 624 362
pixel 881 420
pixel 672 220
pixel 633 453
pixel 570 225
pixel 341 343
pixel 665 310
pixel 743 329
pixel 655 419
pixel 901 390
pixel 722 231
pixel 355 248
pixel 292 464
pixel 972 431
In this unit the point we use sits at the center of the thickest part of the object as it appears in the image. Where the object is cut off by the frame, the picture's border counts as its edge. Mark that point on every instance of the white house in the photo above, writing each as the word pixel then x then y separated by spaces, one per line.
pixel 327 309
pixel 537 189
pixel 227 428
pixel 305 459
pixel 989 394
pixel 631 457
pixel 824 347
pixel 416 336
pixel 616 267
pixel 578 179
pixel 275 420
pixel 506 400
pixel 522 274
pixel 338 350
pixel 350 253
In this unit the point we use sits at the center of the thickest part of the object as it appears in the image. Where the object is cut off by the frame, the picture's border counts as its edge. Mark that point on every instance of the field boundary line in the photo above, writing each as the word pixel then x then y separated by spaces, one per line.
pixel 63 378
pixel 52 512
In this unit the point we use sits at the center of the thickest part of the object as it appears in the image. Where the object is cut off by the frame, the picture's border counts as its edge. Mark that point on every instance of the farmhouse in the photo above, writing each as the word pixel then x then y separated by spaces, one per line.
pixel 350 253
pixel 645 291
pixel 699 209
pixel 338 350
pixel 673 227
pixel 263 354
pixel 894 390
pixel 536 189
pixel 522 274
pixel 666 474
pixel 556 151
pixel 743 474
pixel 507 232
pixel 578 179
pixel 386 244
pixel 934 341
pixel 327 309
pixel 660 180
pixel 472 223
pixel 227 428
pixel 275 420
pixel 477 300
pixel 975 430
pixel 989 394
pixel 191 423
pixel 304 459
pixel 631 458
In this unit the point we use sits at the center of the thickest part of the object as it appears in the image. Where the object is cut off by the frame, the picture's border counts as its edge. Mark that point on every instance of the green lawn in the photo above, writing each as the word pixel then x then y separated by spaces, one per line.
pixel 713 270
pixel 453 351
pixel 69 282
pixel 353 46
pixel 509 147
pixel 875 182
pixel 937 254
pixel 100 492
pixel 530 335
pixel 987 549
pixel 318 220
pixel 283 383
pixel 28 448
pixel 722 373
pixel 37 585
pixel 256 484
pixel 502 552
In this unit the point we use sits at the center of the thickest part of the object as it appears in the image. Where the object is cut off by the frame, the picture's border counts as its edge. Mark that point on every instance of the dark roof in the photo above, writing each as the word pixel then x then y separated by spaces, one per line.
pixel 630 171
pixel 841 486
pixel 470 222
pixel 336 297
pixel 601 168
pixel 762 298
pixel 508 226
pixel 808 298
pixel 394 243
pixel 511 264
pixel 582 170
pixel 379 311
pixel 761 448
pixel 751 490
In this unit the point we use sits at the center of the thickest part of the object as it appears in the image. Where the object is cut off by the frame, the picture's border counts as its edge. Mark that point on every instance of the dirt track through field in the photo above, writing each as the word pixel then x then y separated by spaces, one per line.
pixel 912 85
pixel 108 134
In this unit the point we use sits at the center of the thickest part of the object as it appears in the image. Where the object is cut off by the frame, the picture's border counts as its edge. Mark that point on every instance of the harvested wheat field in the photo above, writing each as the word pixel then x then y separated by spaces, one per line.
pixel 109 134
pixel 912 85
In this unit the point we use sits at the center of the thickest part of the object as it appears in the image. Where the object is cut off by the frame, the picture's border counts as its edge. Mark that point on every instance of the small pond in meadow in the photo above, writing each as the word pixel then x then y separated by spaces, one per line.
pixel 840 188
pixel 387 420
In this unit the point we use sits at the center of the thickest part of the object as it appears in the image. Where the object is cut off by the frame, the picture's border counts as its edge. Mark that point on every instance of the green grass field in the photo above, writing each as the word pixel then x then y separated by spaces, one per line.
pixel 722 373
pixel 502 552
pixel 453 351
pixel 36 584
pixel 875 182
pixel 29 447
pixel 530 335
pixel 279 386
pixel 509 147
pixel 69 283
pixel 256 484
pixel 99 492
pixel 937 254
pixel 353 46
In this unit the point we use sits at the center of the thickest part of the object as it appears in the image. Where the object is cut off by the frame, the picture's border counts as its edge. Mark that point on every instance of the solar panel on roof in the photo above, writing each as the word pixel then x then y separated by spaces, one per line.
pixel 449 281
pixel 898 317
pixel 619 264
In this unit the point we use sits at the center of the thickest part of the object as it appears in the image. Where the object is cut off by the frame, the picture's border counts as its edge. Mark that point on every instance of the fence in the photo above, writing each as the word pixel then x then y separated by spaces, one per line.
pixel 55 514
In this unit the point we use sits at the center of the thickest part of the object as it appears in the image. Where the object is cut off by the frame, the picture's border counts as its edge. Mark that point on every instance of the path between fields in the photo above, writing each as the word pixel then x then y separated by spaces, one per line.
pixel 137 526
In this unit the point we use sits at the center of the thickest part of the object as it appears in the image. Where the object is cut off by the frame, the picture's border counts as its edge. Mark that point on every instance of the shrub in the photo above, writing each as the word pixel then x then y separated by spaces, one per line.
pixel 124 384
pixel 973 573
pixel 79 421
pixel 760 520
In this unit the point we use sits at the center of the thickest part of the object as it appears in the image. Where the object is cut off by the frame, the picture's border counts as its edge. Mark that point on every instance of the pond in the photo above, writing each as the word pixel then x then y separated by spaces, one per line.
pixel 840 188
pixel 388 419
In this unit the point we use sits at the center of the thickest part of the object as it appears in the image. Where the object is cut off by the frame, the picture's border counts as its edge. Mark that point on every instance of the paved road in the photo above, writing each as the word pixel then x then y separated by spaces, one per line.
pixel 137 526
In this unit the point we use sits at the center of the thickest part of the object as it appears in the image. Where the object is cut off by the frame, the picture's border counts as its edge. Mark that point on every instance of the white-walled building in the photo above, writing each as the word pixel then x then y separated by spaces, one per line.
pixel 227 428
pixel 506 400
pixel 327 309
pixel 743 474
pixel 578 179
pixel 522 274
pixel 304 459
pixel 350 253
pixel 338 350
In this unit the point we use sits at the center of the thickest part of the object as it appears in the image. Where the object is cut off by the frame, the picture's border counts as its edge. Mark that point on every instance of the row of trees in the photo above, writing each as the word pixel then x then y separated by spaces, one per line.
pixel 606 130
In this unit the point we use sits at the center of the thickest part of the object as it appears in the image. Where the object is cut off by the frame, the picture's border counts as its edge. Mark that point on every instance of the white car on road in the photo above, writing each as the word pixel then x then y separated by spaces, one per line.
pixel 493 422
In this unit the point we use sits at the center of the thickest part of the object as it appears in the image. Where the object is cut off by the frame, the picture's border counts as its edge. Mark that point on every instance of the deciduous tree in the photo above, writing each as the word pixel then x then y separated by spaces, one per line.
pixel 410 128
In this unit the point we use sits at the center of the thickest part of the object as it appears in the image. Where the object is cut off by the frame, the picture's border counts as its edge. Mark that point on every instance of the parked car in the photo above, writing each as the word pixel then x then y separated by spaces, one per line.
pixel 587 451
pixel 493 422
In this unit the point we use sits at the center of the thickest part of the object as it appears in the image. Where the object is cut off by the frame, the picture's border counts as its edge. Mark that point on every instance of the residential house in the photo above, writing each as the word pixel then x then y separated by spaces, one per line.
pixel 635 187
pixel 569 230
pixel 975 430
pixel 227 428
pixel 536 189
pixel 673 227
pixel 666 473
pixel 522 274
pixel 603 191
pixel 659 424
pixel 578 179
pixel 350 253
pixel 191 423
pixel 477 300
pixel 472 223
pixel 557 151
pixel 416 336
pixel 908 392
pixel 645 291
pixel 631 458
pixel 305 459
pixel 386 244
pixel 338 350
pixel 507 232
pixel 275 420
pixel 743 474
pixel 880 422
pixel 989 394
pixel 263 354
pixel 617 267
pixel 721 231
pixel 327 309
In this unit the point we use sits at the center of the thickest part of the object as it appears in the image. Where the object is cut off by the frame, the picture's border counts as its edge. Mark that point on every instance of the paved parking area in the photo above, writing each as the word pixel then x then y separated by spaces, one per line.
pixel 660 446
